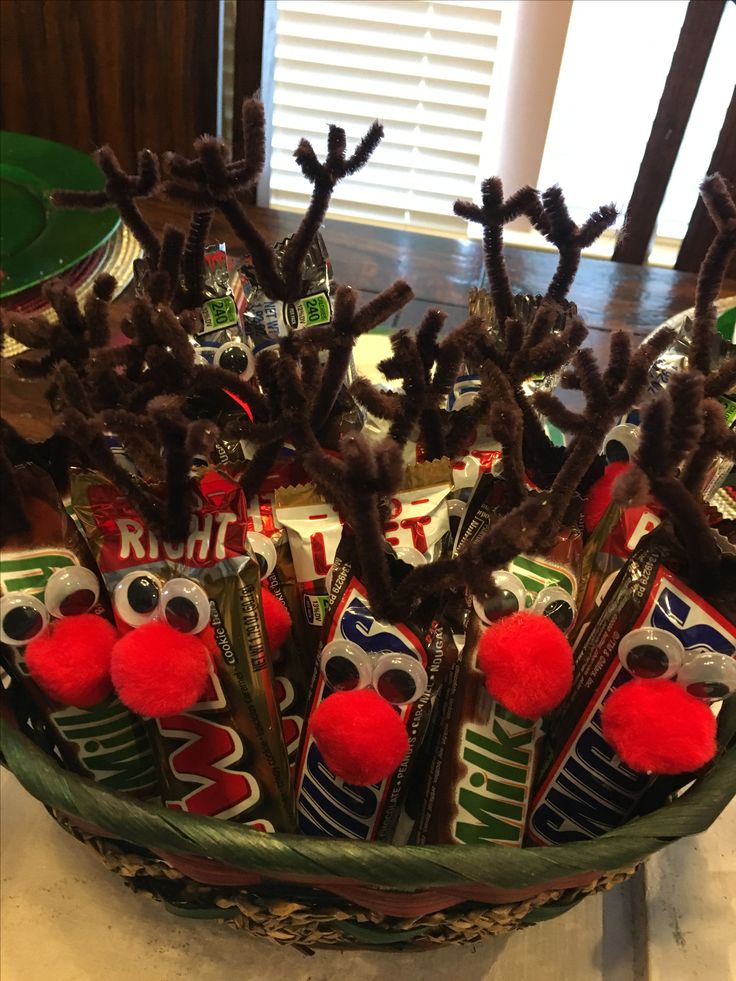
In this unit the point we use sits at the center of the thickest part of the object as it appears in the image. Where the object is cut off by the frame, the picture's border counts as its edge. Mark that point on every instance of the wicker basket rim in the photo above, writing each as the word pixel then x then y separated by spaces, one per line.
pixel 384 865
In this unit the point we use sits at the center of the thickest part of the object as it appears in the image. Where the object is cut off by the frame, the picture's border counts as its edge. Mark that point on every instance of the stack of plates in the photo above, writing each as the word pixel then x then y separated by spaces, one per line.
pixel 39 242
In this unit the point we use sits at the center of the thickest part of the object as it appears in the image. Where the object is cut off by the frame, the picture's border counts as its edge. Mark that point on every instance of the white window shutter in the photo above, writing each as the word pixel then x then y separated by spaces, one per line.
pixel 424 69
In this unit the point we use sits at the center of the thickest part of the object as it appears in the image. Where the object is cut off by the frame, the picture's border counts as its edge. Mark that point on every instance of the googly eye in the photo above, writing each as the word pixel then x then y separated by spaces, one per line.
pixel 651 653
pixel 265 552
pixel 464 399
pixel 456 512
pixel 199 358
pixel 71 591
pixel 410 555
pixel 399 678
pixel 557 605
pixel 510 597
pixel 22 618
pixel 345 666
pixel 709 676
pixel 621 443
pixel 136 598
pixel 237 357
pixel 184 606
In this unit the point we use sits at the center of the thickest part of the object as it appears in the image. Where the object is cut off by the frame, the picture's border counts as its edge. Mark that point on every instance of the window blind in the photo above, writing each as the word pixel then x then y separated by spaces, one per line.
pixel 425 69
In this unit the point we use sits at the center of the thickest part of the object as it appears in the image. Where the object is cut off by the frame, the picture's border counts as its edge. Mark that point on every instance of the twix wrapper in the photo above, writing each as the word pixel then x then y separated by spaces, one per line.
pixel 225 757
pixel 418 521
pixel 480 780
pixel 105 742
pixel 266 320
pixel 584 789
pixel 326 805
pixel 314 528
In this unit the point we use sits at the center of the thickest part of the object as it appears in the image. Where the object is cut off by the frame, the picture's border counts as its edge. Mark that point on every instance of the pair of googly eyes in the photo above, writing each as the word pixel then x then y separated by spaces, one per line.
pixel 399 678
pixel 651 653
pixel 69 592
pixel 140 598
pixel 511 596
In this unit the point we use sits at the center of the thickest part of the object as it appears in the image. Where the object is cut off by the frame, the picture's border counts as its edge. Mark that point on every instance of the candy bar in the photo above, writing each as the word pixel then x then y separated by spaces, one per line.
pixel 479 784
pixel 584 788
pixel 326 804
pixel 221 340
pixel 225 755
pixel 293 661
pixel 104 742
pixel 314 529
pixel 266 319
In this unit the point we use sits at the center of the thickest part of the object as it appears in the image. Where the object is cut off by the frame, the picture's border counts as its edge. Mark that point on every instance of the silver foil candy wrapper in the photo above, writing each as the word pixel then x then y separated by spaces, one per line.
pixel 266 320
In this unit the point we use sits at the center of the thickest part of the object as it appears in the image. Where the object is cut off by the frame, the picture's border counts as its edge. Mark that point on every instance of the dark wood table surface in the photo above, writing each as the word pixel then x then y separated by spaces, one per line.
pixel 609 295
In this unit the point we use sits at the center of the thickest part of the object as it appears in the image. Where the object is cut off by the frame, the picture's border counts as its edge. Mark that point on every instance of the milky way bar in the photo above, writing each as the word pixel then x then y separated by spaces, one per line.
pixel 105 742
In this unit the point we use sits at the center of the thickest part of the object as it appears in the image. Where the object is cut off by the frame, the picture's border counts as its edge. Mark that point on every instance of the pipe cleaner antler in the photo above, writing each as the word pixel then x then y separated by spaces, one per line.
pixel 72 337
pixel 121 190
pixel 212 180
pixel 359 481
pixel 325 384
pixel 684 428
pixel 427 369
pixel 526 339
pixel 163 259
pixel 608 395
pixel 672 428
pixel 555 223
pixel 722 209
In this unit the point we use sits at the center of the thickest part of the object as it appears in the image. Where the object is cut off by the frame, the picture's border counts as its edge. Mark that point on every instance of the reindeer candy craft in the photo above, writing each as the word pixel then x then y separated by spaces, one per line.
pixel 383 649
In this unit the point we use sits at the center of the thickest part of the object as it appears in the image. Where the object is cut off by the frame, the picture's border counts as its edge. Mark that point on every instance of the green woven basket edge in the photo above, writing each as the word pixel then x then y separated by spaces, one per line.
pixel 393 867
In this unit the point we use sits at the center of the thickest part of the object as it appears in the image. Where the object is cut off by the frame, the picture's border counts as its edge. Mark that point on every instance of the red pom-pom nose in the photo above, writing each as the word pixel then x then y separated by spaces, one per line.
pixel 71 663
pixel 657 727
pixel 158 671
pixel 527 662
pixel 276 619
pixel 361 738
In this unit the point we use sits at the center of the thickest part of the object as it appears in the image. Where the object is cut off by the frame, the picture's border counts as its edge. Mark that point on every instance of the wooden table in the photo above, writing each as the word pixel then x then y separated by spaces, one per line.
pixel 674 922
pixel 440 270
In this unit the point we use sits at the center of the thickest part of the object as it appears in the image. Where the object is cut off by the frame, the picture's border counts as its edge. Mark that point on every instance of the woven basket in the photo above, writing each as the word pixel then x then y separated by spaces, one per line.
pixel 322 893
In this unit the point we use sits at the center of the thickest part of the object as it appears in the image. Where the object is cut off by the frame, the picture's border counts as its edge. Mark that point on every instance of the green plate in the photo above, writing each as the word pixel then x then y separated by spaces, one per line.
pixel 38 241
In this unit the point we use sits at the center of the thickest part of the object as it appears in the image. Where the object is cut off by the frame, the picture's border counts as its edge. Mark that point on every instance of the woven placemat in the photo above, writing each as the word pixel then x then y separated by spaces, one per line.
pixel 116 259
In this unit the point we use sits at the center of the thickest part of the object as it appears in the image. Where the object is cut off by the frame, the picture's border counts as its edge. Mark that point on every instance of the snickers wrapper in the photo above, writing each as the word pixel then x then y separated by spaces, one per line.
pixel 225 756
pixel 584 789
pixel 326 805
pixel 105 743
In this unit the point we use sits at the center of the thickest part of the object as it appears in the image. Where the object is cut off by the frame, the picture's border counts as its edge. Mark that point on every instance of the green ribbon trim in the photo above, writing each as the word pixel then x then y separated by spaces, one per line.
pixel 393 867
pixel 374 935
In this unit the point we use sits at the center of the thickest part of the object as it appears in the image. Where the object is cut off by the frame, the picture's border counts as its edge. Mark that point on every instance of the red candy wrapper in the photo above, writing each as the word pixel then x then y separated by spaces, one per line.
pixel 105 742
pixel 224 757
